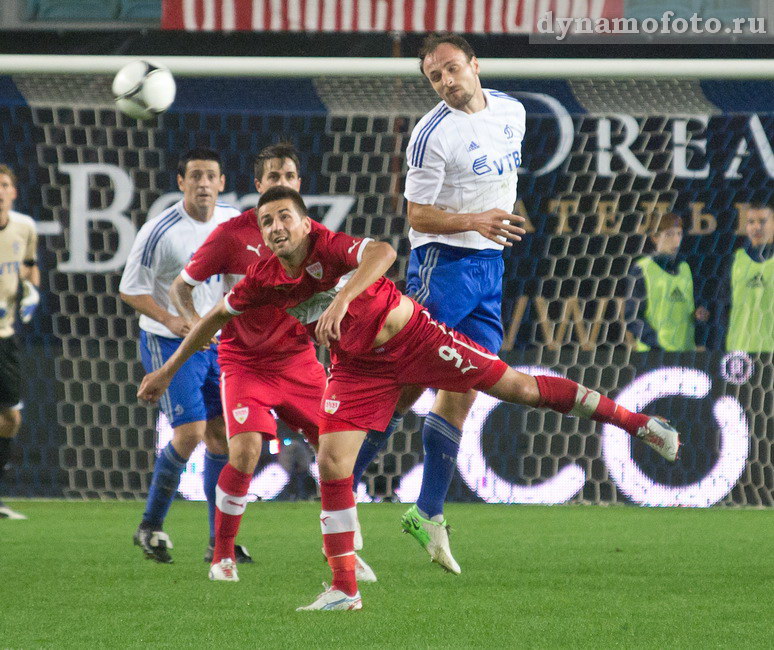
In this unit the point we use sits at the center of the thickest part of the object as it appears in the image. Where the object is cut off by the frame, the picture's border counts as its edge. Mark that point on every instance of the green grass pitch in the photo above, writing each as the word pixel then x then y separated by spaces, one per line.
pixel 566 576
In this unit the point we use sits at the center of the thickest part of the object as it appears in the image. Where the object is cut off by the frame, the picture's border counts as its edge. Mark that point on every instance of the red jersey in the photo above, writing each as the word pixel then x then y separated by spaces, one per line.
pixel 331 255
pixel 266 335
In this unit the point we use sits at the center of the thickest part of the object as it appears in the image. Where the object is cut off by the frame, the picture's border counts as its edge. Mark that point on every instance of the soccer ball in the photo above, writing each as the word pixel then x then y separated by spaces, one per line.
pixel 143 90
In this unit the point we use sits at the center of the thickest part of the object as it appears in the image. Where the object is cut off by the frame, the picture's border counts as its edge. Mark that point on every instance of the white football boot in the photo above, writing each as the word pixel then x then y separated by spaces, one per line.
pixel 433 536
pixel 333 599
pixel 224 571
pixel 658 434
pixel 363 572
pixel 8 513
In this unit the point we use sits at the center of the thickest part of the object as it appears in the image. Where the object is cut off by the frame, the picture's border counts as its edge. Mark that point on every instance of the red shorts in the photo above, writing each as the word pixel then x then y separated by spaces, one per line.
pixel 249 394
pixel 362 391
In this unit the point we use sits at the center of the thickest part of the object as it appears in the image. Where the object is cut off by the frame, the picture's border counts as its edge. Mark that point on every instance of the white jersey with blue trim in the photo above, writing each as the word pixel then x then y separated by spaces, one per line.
pixel 160 251
pixel 466 163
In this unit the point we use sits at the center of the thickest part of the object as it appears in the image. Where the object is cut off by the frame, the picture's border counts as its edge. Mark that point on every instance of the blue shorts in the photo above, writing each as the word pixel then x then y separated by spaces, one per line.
pixel 194 393
pixel 462 288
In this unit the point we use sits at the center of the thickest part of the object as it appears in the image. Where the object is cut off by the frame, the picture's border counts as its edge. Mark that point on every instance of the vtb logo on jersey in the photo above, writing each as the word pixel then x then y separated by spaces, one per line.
pixel 508 163
pixel 315 270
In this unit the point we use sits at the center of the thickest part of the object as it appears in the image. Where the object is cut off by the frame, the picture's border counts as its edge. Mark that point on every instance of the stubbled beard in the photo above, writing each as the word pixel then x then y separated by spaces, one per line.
pixel 458 100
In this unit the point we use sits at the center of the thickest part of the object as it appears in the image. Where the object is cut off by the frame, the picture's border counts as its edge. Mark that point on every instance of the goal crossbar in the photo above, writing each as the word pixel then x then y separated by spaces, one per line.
pixel 195 66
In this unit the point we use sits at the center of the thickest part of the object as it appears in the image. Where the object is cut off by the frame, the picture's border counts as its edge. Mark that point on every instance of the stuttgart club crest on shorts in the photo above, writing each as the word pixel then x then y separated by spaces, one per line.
pixel 332 405
pixel 315 270
pixel 240 414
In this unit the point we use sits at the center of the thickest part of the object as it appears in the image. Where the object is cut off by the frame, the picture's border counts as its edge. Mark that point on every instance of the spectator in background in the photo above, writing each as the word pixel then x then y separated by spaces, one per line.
pixel 661 312
pixel 749 285
pixel 296 458
pixel 19 277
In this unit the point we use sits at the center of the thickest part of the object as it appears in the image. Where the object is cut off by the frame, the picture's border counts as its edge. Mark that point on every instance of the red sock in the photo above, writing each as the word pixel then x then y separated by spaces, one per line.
pixel 337 521
pixel 567 396
pixel 230 501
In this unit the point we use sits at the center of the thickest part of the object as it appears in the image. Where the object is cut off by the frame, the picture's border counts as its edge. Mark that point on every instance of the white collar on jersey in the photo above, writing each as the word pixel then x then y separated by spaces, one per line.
pixel 483 111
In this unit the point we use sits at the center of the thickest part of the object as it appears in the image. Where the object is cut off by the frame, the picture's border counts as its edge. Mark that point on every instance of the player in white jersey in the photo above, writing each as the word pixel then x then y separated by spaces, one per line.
pixel 192 404
pixel 463 158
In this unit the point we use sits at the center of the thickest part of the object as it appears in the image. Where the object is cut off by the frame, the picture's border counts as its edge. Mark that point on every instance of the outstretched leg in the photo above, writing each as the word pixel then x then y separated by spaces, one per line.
pixel 571 398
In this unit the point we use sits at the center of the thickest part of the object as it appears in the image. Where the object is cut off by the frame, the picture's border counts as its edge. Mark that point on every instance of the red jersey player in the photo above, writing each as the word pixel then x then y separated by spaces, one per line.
pixel 267 362
pixel 380 340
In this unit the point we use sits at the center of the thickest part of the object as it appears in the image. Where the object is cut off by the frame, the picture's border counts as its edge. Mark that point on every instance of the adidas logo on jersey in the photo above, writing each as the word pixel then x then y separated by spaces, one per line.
pixel 755 281
pixel 676 295
pixel 472 146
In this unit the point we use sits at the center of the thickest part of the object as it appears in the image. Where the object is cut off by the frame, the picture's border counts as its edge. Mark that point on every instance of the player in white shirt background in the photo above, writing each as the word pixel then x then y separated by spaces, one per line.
pixel 19 279
pixel 462 158
pixel 162 248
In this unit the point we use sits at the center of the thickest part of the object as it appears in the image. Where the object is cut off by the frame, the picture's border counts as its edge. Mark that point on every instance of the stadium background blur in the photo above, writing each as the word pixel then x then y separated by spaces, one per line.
pixel 701 148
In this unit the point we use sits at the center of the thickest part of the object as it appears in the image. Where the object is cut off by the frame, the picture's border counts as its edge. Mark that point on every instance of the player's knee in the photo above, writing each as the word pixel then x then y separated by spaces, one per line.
pixel 10 421
pixel 245 451
pixel 186 437
pixel 215 436
pixel 335 464
pixel 453 407
pixel 517 388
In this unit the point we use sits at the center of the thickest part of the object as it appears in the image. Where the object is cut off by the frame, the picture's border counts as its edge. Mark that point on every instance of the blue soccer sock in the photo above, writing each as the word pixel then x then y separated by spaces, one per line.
pixel 213 464
pixel 441 441
pixel 166 478
pixel 374 442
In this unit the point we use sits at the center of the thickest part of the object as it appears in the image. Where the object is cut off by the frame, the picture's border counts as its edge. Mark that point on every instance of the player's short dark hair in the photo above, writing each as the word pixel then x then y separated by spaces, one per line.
pixel 5 169
pixel 281 150
pixel 432 41
pixel 197 153
pixel 280 192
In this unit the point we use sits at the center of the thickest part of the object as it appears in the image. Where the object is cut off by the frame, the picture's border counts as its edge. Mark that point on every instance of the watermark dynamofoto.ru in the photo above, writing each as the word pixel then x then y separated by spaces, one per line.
pixel 668 25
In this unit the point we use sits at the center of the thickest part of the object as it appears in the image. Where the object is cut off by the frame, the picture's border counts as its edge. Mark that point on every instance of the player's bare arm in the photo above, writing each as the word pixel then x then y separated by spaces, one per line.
pixel 181 295
pixel 496 225
pixel 146 305
pixel 377 258
pixel 155 383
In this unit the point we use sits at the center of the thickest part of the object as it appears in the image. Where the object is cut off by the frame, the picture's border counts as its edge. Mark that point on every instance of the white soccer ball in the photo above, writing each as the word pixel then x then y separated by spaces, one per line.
pixel 143 90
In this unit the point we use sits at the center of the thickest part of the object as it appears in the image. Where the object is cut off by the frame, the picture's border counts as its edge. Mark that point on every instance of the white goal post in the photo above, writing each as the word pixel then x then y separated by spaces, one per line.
pixel 559 68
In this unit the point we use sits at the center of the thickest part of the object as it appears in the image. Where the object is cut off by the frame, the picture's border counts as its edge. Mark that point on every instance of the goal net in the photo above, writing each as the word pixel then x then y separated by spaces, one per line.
pixel 602 160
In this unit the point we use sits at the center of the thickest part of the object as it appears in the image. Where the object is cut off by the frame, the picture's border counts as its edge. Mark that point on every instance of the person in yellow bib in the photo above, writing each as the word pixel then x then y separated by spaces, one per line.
pixel 750 289
pixel 661 313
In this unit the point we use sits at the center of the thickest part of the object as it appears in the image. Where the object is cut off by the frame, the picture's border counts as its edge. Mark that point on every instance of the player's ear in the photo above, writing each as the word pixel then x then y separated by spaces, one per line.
pixel 474 64
pixel 222 185
pixel 307 225
pixel 180 181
